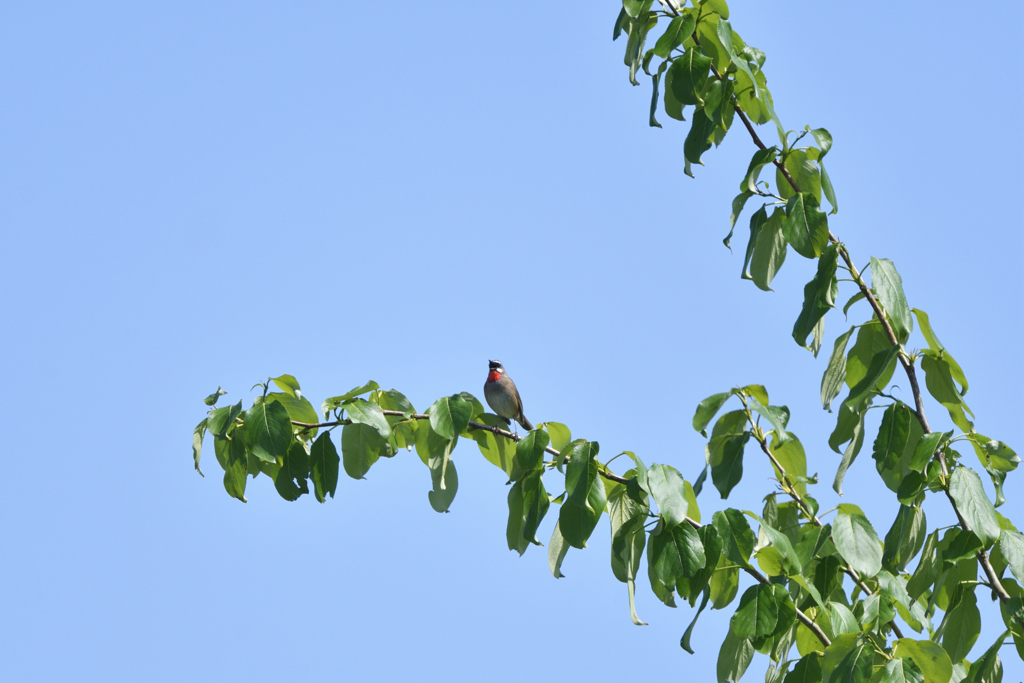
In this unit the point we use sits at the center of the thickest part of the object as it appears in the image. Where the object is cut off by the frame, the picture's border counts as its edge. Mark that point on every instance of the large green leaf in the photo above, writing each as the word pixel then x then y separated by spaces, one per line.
pixel 535 504
pixel 449 416
pixel 707 409
pixel 577 522
pixel 931 659
pixel 802 169
pixel 847 659
pixel 757 613
pixel 905 538
pixel 881 367
pixel 769 251
pixel 805 227
pixel 935 345
pixel 289 385
pixel 780 542
pixel 835 372
pixel 849 427
pixel 1011 545
pixel 234 462
pixel 734 658
pixel 444 481
pixel 362 411
pixel 581 471
pixel 497 450
pixel 675 553
pixel 557 549
pixel 962 624
pixel 790 454
pixel 871 340
pixel 698 140
pixel 514 528
pixel 819 295
pixel 973 503
pixel 737 538
pixel 530 452
pixel 268 430
pixel 888 285
pixel 690 73
pixel 361 446
pixel 667 487
pixel 727 462
pixel 857 541
pixel 290 478
pixel 679 29
pixel 895 444
pixel 807 670
pixel 939 380
pixel 222 418
pixel 323 466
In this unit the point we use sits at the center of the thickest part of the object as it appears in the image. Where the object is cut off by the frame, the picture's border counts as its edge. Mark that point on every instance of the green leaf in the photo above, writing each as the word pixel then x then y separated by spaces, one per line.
pixel 780 542
pixel 843 620
pixel 679 29
pixel 707 409
pixel 931 659
pixel 221 419
pixel 938 378
pixel 530 451
pixel 290 478
pixel 724 585
pixel 805 227
pixel 819 295
pixel 905 538
pixel 197 443
pixel 361 446
pixel 734 658
pixel 935 345
pixel 769 251
pixel 975 507
pixel 888 284
pixel 926 448
pixel 807 670
pixel 790 454
pixel 761 158
pixel 849 427
pixel 288 384
pixel 848 658
pixel 757 613
pixel 899 671
pixel 449 416
pixel 335 401
pixel 444 481
pixel 804 171
pixel 737 538
pixel 268 430
pixel 737 208
pixel 361 411
pixel 514 529
pixel 881 366
pixel 676 553
pixel 234 461
pixel 684 642
pixel 894 446
pixel 652 119
pixel 927 570
pixel 560 435
pixel 323 466
pixel 536 502
pixel 578 522
pixel 581 472
pixel 212 398
pixel 757 222
pixel 698 139
pixel 1011 545
pixel 691 587
pixel 497 450
pixel 962 624
pixel 690 73
pixel 557 549
pixel 667 487
pixel 727 462
pixel 719 7
pixel 299 410
pixel 988 668
pixel 857 542
pixel 835 373
pixel 871 340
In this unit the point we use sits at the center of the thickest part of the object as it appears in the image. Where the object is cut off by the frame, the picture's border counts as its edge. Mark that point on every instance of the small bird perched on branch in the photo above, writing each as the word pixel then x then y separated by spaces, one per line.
pixel 502 396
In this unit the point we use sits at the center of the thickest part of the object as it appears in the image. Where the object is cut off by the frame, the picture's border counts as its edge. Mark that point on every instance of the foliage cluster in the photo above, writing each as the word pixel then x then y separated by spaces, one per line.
pixel 830 600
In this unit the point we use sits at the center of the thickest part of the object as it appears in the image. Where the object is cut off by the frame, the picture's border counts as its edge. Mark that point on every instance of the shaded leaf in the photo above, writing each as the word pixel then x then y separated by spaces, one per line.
pixel 323 466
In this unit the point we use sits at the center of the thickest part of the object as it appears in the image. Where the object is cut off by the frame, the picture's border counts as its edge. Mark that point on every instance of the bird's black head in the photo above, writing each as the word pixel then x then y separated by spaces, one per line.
pixel 494 365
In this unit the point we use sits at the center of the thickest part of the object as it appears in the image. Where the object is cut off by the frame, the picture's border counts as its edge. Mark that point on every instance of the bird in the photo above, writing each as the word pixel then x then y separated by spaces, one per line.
pixel 503 397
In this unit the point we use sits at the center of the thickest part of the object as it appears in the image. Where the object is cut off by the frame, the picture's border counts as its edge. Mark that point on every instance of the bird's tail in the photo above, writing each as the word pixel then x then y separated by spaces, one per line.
pixel 524 423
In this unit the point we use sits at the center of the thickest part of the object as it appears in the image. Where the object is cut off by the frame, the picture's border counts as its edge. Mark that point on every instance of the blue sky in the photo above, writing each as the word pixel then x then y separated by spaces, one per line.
pixel 200 195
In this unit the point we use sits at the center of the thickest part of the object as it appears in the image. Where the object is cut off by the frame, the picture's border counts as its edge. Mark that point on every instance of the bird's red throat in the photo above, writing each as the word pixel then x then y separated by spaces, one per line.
pixel 493 376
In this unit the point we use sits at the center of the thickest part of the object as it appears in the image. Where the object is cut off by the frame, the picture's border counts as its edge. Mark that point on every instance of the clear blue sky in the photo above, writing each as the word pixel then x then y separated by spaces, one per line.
pixel 211 194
